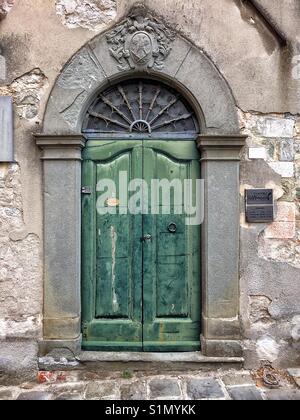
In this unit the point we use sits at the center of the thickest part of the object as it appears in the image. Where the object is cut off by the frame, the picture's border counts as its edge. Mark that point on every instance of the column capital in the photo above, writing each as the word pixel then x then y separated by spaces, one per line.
pixel 221 148
pixel 60 147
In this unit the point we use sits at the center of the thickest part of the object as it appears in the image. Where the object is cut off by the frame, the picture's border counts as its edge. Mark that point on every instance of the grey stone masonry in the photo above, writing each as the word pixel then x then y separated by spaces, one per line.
pixel 220 384
pixel 61 156
pixel 220 164
pixel 245 393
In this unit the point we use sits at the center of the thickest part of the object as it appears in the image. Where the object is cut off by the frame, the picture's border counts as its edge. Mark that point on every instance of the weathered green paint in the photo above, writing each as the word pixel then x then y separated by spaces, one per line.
pixel 140 295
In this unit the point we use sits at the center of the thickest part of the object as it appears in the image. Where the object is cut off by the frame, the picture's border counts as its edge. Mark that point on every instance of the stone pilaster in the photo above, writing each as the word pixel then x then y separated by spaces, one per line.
pixel 220 157
pixel 61 157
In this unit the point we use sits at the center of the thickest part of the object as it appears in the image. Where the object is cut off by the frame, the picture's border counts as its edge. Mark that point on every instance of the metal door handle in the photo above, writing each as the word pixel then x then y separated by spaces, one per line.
pixel 146 238
pixel 172 228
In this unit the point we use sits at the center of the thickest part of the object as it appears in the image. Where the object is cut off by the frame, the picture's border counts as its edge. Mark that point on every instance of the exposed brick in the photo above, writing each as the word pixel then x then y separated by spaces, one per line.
pixel 281 230
pixel 286 212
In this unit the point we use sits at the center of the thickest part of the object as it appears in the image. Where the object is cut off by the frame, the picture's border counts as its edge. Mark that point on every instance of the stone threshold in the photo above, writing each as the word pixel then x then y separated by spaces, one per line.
pixel 192 357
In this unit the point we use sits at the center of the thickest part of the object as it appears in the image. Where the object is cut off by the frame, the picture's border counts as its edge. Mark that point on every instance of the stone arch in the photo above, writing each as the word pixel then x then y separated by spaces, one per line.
pixel 111 57
pixel 184 66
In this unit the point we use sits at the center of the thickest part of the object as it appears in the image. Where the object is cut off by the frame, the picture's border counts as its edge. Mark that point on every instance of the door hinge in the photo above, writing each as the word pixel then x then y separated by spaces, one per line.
pixel 86 190
pixel 85 327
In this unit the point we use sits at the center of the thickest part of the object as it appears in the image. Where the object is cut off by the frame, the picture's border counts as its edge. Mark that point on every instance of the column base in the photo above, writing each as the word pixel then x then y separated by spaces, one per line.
pixel 221 328
pixel 221 348
pixel 62 328
pixel 68 349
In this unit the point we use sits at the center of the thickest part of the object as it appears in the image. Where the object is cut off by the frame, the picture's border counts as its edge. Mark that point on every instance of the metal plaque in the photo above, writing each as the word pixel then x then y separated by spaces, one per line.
pixel 259 206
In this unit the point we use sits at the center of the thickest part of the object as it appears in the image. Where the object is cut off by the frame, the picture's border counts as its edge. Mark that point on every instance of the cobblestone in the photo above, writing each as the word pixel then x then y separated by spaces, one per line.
pixel 198 389
pixel 35 396
pixel 203 385
pixel 134 391
pixel 283 395
pixel 160 388
pixel 245 393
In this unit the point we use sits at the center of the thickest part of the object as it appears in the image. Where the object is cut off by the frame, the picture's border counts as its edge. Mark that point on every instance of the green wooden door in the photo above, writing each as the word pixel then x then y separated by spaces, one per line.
pixel 141 272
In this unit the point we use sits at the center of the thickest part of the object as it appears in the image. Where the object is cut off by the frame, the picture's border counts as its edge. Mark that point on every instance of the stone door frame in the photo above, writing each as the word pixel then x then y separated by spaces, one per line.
pixel 189 70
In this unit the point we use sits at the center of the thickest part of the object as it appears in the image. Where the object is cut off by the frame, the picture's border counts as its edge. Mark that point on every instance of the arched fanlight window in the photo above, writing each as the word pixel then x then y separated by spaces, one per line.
pixel 140 106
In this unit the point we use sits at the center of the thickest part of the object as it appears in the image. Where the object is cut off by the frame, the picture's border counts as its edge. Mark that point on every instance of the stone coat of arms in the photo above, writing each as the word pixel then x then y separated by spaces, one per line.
pixel 140 42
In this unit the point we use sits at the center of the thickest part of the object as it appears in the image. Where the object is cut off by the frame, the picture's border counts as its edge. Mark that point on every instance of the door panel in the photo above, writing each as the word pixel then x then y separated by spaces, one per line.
pixel 112 266
pixel 172 259
pixel 140 295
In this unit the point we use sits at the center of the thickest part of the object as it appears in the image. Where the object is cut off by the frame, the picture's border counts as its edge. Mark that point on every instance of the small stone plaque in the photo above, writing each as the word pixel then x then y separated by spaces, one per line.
pixel 6 129
pixel 259 206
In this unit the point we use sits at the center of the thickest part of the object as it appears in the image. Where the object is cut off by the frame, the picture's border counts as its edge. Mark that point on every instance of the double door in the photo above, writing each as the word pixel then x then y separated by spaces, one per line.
pixel 141 257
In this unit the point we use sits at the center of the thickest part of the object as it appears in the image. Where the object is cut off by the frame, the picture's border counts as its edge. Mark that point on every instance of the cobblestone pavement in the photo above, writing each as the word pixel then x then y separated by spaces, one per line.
pixel 127 385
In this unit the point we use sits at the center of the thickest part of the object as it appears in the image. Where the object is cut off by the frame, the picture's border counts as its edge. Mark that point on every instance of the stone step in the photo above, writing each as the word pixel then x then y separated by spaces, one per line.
pixel 139 362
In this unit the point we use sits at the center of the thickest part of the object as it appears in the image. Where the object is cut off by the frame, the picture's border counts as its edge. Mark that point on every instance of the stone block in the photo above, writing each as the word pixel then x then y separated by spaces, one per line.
pixel 199 389
pixel 101 391
pixel 281 230
pixel 163 388
pixel 287 150
pixel 134 391
pixel 297 128
pixel 2 68
pixel 245 393
pixel 221 328
pixel 283 395
pixel 257 153
pixel 237 378
pixel 267 349
pixel 69 396
pixel 6 129
pixel 18 362
pixel 259 309
pixel 35 396
pixel 275 127
pixel 285 169
pixel 6 395
pixel 221 348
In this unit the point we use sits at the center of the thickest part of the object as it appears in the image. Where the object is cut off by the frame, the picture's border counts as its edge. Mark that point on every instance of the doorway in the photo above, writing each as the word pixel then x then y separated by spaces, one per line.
pixel 141 256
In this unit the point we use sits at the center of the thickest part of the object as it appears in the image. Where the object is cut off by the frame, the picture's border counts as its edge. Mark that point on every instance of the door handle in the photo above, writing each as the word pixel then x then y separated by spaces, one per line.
pixel 172 228
pixel 146 238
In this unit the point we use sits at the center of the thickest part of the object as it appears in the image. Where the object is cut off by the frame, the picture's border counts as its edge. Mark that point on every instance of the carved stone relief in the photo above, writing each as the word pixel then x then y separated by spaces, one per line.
pixel 141 41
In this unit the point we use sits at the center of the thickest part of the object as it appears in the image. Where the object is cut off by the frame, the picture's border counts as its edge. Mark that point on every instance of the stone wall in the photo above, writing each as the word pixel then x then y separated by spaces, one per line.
pixel 20 282
pixel 5 7
pixel 39 37
pixel 270 254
